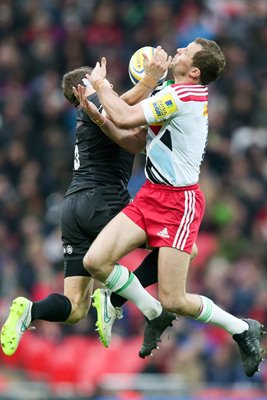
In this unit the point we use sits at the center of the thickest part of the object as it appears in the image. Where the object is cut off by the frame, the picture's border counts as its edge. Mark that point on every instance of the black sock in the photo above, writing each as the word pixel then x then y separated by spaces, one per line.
pixel 54 308
pixel 147 273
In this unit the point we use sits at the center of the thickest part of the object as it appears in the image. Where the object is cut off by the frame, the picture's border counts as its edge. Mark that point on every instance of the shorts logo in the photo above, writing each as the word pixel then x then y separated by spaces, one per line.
pixel 163 106
pixel 69 249
pixel 164 233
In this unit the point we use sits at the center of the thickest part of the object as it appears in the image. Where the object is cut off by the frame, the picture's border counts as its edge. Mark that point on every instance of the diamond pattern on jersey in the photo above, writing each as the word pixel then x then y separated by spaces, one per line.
pixel 154 175
pixel 166 139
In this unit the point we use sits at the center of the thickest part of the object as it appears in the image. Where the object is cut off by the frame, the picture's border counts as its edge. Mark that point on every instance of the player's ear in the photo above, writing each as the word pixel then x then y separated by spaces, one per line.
pixel 195 73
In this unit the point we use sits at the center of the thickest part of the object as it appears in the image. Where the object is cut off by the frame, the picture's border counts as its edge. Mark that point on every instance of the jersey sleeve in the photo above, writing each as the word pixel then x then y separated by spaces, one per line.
pixel 164 105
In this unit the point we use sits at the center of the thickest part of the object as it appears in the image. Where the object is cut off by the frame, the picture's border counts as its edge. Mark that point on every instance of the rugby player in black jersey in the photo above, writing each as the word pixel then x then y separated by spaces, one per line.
pixel 97 192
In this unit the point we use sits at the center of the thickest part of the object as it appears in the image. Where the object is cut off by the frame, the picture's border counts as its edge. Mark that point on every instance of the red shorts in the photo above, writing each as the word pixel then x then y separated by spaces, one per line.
pixel 171 216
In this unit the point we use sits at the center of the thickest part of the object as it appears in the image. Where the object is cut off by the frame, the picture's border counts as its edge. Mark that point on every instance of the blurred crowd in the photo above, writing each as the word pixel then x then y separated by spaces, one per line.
pixel 39 42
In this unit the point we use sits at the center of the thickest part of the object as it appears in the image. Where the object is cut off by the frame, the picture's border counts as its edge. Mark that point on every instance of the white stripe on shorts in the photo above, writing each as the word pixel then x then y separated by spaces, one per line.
pixel 184 227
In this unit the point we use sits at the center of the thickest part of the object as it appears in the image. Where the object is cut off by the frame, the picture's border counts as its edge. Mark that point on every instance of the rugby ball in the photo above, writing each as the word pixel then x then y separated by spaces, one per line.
pixel 136 65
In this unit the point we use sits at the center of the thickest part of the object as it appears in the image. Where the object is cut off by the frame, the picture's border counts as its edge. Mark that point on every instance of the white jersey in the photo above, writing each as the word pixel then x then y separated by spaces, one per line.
pixel 177 135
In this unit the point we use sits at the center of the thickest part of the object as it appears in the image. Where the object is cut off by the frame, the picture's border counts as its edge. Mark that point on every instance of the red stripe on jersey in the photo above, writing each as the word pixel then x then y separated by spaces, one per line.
pixel 155 128
pixel 194 98
pixel 191 92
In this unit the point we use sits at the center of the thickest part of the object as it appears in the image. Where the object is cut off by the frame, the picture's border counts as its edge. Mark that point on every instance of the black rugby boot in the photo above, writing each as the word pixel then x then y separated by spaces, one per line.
pixel 153 331
pixel 249 346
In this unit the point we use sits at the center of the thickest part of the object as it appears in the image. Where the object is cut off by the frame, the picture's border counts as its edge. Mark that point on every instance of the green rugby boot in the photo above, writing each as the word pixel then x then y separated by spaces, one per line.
pixel 106 314
pixel 17 323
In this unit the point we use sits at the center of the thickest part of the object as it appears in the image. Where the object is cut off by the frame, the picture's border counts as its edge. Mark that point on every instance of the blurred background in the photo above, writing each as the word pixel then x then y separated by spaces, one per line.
pixel 39 42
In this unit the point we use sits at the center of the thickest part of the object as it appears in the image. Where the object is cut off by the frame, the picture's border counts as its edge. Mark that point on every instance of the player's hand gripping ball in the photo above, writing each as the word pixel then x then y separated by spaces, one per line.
pixel 136 65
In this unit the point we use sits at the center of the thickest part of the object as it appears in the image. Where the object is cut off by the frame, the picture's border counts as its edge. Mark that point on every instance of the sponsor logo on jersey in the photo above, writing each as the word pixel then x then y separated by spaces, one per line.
pixel 163 106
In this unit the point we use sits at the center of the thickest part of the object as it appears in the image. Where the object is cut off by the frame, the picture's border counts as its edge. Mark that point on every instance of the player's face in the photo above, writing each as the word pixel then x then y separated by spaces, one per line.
pixel 182 61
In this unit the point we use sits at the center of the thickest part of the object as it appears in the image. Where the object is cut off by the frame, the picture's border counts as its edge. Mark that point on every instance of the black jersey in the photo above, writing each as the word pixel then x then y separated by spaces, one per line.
pixel 97 159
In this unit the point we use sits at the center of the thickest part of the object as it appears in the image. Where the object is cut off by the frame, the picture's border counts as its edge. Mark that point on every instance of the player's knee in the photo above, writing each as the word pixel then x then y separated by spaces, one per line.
pixel 90 264
pixel 96 266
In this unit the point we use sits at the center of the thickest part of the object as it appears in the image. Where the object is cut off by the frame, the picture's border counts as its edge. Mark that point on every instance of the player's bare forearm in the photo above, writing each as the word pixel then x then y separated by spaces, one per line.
pixel 123 115
pixel 154 69
pixel 137 93
pixel 132 140
pixel 115 107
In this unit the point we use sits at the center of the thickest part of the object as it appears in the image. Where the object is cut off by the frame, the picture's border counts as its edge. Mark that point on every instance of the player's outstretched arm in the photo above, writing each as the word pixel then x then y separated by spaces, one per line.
pixel 123 115
pixel 154 70
pixel 132 140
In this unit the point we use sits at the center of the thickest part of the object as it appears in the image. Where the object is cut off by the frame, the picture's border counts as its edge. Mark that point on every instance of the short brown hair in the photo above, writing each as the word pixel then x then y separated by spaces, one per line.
pixel 210 60
pixel 73 78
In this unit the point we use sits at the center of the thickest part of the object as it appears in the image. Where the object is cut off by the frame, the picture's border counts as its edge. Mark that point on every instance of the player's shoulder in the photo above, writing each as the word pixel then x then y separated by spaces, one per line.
pixel 189 92
pixel 162 86
pixel 81 114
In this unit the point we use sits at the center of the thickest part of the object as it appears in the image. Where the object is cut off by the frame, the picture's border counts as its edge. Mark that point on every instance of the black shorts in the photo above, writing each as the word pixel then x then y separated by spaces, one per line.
pixel 83 215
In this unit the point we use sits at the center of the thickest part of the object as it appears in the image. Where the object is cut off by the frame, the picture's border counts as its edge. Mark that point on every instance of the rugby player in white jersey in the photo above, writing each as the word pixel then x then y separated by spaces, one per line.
pixel 168 209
